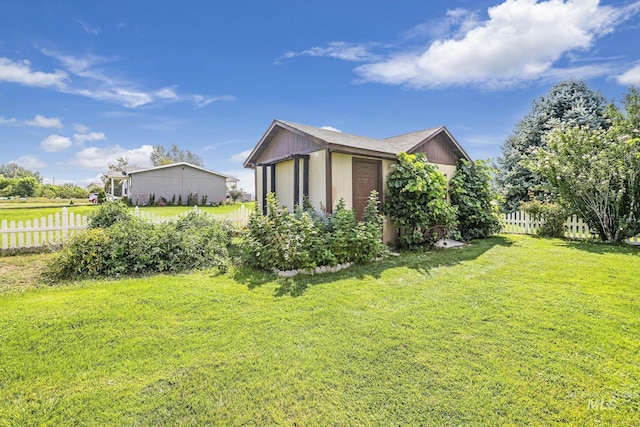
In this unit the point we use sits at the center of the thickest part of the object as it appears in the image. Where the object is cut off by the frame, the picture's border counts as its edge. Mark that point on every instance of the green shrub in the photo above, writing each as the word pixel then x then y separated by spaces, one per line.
pixel 134 246
pixel 416 201
pixel 472 193
pixel 552 216
pixel 109 214
pixel 102 196
pixel 304 240
pixel 86 254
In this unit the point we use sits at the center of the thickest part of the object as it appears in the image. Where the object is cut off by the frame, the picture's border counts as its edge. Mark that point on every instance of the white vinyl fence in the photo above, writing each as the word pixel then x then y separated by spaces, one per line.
pixel 54 229
pixel 574 228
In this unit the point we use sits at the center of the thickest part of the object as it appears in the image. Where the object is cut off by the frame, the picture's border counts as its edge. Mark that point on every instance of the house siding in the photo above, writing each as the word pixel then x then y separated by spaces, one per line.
pixel 318 179
pixel 284 183
pixel 286 143
pixel 180 181
pixel 437 150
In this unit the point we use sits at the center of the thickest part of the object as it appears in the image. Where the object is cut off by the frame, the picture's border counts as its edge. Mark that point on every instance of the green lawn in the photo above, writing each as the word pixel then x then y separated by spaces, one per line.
pixel 38 211
pixel 512 330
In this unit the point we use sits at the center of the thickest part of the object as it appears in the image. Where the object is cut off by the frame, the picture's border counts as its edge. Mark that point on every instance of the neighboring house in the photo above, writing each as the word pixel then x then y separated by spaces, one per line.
pixel 174 181
pixel 294 160
pixel 95 187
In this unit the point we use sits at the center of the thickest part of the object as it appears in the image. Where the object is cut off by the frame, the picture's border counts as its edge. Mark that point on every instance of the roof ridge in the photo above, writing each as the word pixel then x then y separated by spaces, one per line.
pixel 418 131
pixel 295 124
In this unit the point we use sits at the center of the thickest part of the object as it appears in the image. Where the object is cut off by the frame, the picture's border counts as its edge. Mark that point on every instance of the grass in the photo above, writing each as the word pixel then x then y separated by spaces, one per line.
pixel 508 331
pixel 42 210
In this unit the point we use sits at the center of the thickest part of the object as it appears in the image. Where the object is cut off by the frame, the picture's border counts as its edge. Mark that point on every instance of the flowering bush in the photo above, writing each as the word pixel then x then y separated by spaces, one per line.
pixel 597 172
pixel 305 240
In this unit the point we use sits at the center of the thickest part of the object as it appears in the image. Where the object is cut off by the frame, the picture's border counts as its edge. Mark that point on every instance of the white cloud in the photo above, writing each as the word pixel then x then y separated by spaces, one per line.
pixel 44 122
pixel 81 138
pixel 79 127
pixel 331 128
pixel 630 77
pixel 54 143
pixel 167 93
pixel 4 121
pixel 20 72
pixel 29 162
pixel 89 29
pixel 93 82
pixel 99 158
pixel 240 157
pixel 521 40
pixel 339 50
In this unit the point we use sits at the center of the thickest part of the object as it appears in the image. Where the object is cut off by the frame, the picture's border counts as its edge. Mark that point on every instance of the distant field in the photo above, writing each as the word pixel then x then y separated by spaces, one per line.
pixel 42 210
pixel 36 202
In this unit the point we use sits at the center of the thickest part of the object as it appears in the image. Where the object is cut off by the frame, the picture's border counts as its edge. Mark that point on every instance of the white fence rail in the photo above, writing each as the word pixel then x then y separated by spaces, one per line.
pixel 522 223
pixel 53 229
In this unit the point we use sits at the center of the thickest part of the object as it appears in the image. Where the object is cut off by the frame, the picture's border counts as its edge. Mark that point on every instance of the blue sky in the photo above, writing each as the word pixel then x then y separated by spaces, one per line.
pixel 83 83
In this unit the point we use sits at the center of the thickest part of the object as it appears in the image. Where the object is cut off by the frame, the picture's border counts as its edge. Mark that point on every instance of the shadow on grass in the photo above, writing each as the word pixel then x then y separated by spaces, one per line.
pixel 422 261
pixel 601 248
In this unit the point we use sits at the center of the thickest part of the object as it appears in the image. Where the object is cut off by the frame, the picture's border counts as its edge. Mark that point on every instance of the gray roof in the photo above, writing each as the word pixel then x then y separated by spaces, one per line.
pixel 409 140
pixel 388 146
pixel 130 170
pixel 344 139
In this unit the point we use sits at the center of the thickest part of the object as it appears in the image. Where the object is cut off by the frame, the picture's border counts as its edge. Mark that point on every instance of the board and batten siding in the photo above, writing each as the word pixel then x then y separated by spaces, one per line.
pixel 180 181
pixel 284 144
pixel 318 179
pixel 437 151
pixel 284 184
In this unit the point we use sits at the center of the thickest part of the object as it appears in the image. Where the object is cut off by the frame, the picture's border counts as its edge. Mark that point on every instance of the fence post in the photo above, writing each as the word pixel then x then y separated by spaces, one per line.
pixel 65 223
pixel 136 211
pixel 195 208
pixel 5 236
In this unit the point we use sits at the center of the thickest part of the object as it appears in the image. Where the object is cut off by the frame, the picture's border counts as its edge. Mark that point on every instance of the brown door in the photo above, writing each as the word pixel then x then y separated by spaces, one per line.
pixel 367 176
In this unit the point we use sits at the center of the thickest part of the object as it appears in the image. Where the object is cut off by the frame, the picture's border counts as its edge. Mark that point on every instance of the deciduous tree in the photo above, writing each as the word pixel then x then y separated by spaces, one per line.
pixel 161 156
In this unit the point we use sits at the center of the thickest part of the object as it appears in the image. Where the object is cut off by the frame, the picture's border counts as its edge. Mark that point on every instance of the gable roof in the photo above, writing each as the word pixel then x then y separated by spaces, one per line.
pixel 325 138
pixel 172 165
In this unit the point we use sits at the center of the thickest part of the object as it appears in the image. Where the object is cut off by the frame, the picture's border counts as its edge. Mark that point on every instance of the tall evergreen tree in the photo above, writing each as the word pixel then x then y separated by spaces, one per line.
pixel 572 103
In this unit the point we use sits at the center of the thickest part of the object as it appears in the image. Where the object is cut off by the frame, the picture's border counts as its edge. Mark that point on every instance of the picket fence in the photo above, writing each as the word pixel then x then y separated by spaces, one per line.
pixel 574 228
pixel 55 228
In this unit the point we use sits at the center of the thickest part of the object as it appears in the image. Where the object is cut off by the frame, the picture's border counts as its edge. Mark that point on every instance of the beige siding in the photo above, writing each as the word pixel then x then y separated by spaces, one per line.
pixel 259 195
pixel 388 233
pixel 341 179
pixel 318 179
pixel 447 170
pixel 284 183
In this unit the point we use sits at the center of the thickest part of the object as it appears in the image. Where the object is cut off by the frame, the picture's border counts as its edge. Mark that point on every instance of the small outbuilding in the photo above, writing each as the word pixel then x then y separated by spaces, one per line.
pixel 174 182
pixel 294 160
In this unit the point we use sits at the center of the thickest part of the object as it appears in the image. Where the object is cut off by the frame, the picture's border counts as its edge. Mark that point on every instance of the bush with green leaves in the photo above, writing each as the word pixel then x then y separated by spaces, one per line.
pixel 474 196
pixel 133 246
pixel 108 214
pixel 304 240
pixel 551 215
pixel 416 201
pixel 596 172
